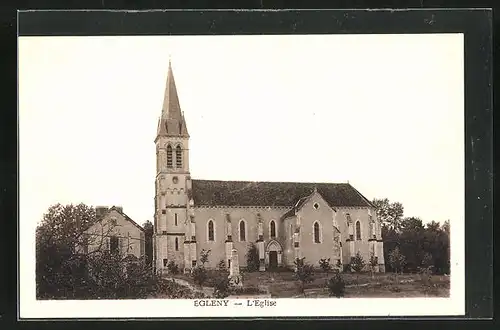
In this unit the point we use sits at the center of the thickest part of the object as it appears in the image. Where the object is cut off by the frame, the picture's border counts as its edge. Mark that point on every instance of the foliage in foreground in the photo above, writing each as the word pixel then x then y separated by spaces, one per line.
pixel 336 286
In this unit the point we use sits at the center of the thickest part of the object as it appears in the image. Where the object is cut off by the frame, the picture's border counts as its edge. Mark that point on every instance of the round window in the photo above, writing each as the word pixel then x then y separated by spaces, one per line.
pixel 175 179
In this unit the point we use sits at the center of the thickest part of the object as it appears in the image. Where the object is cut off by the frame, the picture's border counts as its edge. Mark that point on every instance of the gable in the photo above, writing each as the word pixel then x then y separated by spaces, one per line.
pixel 284 194
pixel 123 223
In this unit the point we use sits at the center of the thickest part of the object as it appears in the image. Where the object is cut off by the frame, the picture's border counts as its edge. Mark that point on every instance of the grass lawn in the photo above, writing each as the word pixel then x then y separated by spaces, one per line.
pixel 382 285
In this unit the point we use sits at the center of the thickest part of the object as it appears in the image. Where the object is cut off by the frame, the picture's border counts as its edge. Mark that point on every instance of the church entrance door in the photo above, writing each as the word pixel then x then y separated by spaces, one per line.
pixel 273 260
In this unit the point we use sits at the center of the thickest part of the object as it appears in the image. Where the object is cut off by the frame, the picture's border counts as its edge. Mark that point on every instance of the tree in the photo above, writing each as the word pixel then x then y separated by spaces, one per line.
pixel 253 260
pixel 148 242
pixel 303 273
pixel 412 241
pixel 204 256
pixel 357 263
pixel 373 264
pixel 397 260
pixel 390 214
pixel 65 268
pixel 325 265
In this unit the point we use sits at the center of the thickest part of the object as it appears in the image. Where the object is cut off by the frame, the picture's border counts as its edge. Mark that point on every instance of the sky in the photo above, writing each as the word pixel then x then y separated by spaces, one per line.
pixel 383 112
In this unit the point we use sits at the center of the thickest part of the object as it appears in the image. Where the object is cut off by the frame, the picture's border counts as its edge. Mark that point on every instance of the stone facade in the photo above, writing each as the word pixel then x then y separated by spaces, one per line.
pixel 284 220
pixel 115 231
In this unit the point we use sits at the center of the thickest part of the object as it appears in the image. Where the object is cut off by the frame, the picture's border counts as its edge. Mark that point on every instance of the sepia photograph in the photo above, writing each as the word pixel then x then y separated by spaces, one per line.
pixel 257 175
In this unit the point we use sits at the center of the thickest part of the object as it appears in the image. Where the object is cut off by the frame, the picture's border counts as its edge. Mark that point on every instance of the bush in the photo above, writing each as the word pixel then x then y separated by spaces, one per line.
pixel 199 275
pixel 173 268
pixel 247 290
pixel 303 273
pixel 253 261
pixel 221 287
pixel 336 286
pixel 221 266
pixel 325 265
pixel 357 263
pixel 347 268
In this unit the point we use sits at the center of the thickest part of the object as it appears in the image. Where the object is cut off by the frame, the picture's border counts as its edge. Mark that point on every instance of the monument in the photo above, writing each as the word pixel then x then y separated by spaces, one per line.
pixel 234 269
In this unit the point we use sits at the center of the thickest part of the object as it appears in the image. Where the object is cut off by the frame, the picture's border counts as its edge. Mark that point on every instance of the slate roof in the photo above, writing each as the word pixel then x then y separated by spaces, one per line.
pixel 286 194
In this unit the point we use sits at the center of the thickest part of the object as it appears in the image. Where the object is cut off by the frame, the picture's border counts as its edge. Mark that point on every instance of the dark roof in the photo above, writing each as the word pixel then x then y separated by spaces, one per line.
pixel 286 194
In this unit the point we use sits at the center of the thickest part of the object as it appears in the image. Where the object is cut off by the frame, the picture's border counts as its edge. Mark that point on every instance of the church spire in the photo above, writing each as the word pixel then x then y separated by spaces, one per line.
pixel 172 120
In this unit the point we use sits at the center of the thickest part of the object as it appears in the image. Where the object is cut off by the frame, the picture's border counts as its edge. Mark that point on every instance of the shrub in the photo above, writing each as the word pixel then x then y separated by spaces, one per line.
pixel 336 286
pixel 247 290
pixel 357 263
pixel 325 265
pixel 173 268
pixel 347 268
pixel 303 273
pixel 221 287
pixel 199 275
pixel 221 266
pixel 253 261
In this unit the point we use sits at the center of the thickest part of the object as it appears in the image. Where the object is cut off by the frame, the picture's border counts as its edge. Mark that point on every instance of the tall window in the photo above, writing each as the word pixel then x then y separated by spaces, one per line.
pixel 175 218
pixel 358 231
pixel 316 232
pixel 178 156
pixel 113 244
pixel 176 244
pixel 273 229
pixel 242 231
pixel 169 157
pixel 211 230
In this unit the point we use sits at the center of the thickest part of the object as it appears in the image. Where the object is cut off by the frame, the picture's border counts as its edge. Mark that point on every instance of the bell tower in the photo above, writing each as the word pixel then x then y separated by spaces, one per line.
pixel 173 232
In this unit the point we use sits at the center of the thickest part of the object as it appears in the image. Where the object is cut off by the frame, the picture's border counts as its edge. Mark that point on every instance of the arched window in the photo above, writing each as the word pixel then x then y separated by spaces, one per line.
pixel 243 234
pixel 316 232
pixel 358 231
pixel 211 234
pixel 176 244
pixel 169 157
pixel 178 156
pixel 272 229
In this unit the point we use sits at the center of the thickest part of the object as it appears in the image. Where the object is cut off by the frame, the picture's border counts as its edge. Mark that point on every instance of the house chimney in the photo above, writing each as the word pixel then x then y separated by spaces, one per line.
pixel 101 211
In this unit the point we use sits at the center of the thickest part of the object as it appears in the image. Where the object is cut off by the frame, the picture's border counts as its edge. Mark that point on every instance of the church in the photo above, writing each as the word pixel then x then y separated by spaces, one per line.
pixel 284 220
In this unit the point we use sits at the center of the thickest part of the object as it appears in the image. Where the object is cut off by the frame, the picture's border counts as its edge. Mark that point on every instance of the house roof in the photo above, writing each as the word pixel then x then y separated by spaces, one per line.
pixel 285 194
pixel 120 211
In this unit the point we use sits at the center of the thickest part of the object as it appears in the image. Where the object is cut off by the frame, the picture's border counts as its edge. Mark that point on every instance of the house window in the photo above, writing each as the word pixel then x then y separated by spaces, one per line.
pixel 316 232
pixel 113 221
pixel 163 211
pixel 169 157
pixel 211 236
pixel 358 231
pixel 175 218
pixel 348 217
pixel 176 244
pixel 165 262
pixel 316 206
pixel 113 244
pixel 272 229
pixel 243 236
pixel 178 156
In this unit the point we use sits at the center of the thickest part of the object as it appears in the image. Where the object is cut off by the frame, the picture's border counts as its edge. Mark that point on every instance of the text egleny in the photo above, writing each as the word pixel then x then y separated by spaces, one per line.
pixel 238 302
